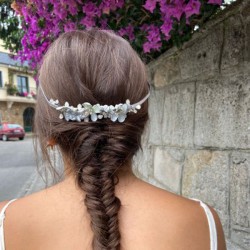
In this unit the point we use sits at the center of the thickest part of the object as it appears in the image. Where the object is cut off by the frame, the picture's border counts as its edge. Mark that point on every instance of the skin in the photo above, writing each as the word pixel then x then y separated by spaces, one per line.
pixel 150 218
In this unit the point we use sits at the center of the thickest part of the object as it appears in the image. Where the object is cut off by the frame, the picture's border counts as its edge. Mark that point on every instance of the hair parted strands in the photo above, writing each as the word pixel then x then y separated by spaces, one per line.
pixel 94 66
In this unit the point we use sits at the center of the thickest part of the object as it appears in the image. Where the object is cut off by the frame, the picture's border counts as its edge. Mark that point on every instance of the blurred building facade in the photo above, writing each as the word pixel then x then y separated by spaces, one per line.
pixel 17 91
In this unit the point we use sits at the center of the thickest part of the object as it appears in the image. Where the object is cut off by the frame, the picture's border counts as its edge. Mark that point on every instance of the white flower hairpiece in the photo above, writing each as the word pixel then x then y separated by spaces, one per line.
pixel 86 112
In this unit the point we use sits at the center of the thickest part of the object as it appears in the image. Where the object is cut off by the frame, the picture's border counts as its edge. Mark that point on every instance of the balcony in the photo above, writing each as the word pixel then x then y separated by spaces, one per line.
pixel 10 99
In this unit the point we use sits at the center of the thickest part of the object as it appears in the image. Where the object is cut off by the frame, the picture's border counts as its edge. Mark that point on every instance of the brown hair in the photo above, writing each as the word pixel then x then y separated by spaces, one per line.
pixel 94 66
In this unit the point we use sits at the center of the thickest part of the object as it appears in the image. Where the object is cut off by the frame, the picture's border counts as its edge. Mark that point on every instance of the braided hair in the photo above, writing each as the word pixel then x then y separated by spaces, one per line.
pixel 94 66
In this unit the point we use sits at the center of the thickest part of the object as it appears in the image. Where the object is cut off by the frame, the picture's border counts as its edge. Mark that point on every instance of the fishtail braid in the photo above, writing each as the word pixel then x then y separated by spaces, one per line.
pixel 94 66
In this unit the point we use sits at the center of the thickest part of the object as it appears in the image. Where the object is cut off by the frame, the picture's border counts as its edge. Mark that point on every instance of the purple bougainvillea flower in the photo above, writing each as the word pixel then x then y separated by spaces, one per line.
pixel 69 26
pixel 167 27
pixel 91 10
pixel 127 31
pixel 110 5
pixel 44 20
pixel 177 9
pixel 153 38
pixel 148 46
pixel 88 22
pixel 192 7
pixel 60 11
pixel 73 8
pixel 150 5
pixel 104 23
pixel 33 24
pixel 218 2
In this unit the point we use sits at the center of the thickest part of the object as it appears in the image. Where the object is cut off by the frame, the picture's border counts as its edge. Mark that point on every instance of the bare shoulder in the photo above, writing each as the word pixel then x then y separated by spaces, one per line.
pixel 22 221
pixel 43 215
pixel 181 221
pixel 5 205
pixel 2 204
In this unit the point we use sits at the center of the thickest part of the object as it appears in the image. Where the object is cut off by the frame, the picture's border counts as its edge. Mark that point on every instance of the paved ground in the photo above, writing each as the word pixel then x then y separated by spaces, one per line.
pixel 18 169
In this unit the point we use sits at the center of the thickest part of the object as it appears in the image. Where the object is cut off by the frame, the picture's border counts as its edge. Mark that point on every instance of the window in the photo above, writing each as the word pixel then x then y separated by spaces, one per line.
pixel 13 126
pixel 22 84
pixel 1 80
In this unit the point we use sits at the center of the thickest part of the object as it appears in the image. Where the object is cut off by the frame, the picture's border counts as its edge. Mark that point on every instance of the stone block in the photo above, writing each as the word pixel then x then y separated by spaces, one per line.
pixel 150 71
pixel 247 41
pixel 167 72
pixel 222 112
pixel 178 115
pixel 232 246
pixel 234 43
pixel 156 110
pixel 202 56
pixel 241 237
pixel 239 189
pixel 245 10
pixel 143 163
pixel 206 177
pixel 168 165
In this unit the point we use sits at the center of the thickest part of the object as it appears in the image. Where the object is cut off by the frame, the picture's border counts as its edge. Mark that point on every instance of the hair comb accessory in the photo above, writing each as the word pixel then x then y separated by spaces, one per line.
pixel 86 112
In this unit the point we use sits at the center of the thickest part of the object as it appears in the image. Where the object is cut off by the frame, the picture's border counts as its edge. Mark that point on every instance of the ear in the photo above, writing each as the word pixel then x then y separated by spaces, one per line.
pixel 51 142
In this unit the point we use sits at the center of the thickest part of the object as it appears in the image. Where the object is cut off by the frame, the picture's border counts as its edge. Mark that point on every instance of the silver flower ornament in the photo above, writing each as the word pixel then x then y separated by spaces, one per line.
pixel 86 111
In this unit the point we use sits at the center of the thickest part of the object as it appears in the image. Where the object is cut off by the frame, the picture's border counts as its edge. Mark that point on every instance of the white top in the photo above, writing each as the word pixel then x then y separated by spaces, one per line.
pixel 211 224
pixel 210 218
pixel 2 216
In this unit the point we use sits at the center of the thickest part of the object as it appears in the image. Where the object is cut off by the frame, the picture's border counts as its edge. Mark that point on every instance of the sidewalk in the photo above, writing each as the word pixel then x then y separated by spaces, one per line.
pixel 29 134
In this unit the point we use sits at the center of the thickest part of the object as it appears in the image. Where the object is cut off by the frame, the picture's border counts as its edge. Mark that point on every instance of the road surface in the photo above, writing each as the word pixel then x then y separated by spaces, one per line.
pixel 19 174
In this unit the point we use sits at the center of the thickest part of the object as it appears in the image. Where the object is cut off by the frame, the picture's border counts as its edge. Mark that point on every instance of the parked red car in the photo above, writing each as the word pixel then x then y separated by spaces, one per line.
pixel 9 130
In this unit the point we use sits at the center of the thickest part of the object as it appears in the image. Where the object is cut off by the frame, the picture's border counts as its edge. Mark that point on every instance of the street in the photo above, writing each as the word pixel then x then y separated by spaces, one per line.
pixel 19 175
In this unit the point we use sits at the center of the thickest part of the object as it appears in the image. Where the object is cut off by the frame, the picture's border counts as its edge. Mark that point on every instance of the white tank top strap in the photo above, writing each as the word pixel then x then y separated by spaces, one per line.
pixel 211 224
pixel 2 217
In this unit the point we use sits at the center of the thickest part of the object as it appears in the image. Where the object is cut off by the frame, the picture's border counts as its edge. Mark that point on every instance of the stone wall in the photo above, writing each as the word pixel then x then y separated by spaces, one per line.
pixel 197 142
